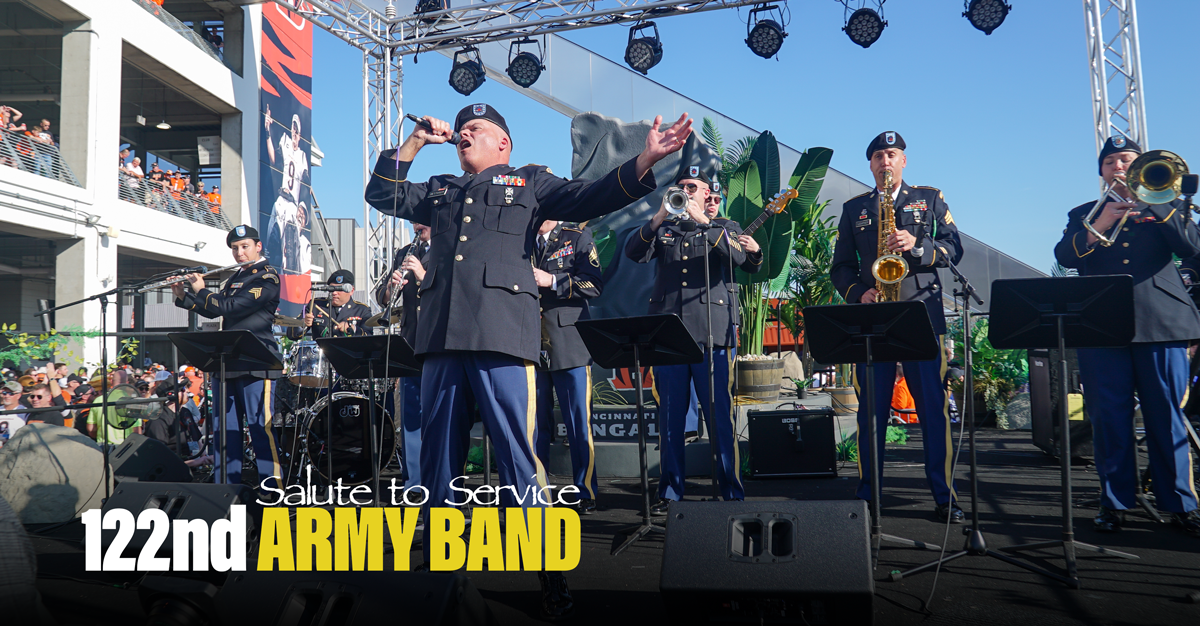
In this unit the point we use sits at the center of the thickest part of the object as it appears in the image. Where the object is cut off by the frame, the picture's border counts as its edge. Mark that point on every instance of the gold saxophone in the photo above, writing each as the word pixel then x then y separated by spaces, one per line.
pixel 889 268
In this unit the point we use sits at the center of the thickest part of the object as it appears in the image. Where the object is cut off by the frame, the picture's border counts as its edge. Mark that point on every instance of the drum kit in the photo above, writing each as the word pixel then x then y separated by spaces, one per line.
pixel 305 403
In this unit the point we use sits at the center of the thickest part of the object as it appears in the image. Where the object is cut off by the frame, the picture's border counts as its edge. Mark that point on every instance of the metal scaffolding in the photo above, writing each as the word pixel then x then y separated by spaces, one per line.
pixel 1115 68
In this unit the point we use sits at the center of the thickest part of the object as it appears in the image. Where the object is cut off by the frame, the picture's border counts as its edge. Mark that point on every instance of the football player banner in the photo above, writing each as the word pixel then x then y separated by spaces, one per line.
pixel 285 195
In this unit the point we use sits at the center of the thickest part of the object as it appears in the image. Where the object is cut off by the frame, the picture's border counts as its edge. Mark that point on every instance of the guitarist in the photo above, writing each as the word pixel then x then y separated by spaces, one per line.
pixel 679 288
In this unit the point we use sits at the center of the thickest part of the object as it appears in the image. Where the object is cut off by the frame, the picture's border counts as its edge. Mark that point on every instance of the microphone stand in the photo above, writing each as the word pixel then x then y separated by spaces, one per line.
pixel 710 419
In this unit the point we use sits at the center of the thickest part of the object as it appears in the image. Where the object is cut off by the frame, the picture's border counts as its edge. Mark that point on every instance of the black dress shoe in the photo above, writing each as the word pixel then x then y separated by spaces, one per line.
pixel 556 597
pixel 1189 522
pixel 949 509
pixel 659 508
pixel 586 506
pixel 1108 520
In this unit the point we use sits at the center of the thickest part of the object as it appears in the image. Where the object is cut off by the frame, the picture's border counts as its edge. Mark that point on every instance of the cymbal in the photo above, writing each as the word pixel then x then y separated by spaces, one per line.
pixel 285 321
pixel 382 320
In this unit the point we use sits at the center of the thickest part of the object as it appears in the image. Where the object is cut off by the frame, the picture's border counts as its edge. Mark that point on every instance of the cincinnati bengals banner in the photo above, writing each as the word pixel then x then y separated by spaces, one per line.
pixel 285 195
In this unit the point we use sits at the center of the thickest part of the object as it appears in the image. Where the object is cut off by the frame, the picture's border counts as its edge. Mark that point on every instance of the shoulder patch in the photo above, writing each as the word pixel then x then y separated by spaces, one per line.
pixel 572 226
pixel 865 193
pixel 271 276
pixel 359 303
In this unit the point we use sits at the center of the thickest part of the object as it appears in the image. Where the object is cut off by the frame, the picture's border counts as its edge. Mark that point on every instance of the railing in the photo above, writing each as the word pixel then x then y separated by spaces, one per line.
pixel 22 152
pixel 160 197
pixel 183 29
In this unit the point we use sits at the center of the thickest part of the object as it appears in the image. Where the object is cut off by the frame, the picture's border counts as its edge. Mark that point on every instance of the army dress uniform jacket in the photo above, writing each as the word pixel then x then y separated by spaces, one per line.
pixel 354 312
pixel 410 297
pixel 247 301
pixel 479 293
pixel 1145 249
pixel 921 211
pixel 679 284
pixel 570 255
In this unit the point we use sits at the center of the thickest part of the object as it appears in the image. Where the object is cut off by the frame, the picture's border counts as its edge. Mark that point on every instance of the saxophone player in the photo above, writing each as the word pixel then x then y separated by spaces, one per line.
pixel 926 238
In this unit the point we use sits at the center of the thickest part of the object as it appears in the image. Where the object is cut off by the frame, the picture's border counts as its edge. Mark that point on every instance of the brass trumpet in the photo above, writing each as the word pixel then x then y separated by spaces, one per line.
pixel 1155 177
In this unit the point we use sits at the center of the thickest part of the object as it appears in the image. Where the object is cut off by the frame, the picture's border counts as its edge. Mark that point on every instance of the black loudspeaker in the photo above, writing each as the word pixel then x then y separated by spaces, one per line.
pixel 1043 404
pixel 185 501
pixel 792 444
pixel 142 459
pixel 768 562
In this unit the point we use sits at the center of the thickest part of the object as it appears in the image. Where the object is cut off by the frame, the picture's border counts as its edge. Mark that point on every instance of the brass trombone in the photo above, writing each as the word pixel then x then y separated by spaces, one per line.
pixel 1155 177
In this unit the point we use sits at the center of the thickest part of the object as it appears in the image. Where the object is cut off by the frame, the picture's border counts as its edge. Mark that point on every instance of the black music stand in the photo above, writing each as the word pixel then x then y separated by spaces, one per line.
pixel 633 342
pixel 866 333
pixel 369 357
pixel 217 352
pixel 1073 312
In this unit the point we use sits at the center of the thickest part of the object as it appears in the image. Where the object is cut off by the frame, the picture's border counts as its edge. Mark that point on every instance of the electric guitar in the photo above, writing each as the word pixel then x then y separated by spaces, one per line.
pixel 776 205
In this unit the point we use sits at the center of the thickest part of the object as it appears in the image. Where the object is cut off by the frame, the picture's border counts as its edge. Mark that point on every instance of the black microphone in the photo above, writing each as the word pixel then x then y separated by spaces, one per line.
pixel 454 136
pixel 199 269
pixel 345 288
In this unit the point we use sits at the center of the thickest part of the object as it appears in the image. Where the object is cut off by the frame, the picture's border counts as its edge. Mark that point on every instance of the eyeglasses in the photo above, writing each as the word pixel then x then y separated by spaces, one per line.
pixel 690 187
pixel 37 397
pixel 713 200
pixel 7 393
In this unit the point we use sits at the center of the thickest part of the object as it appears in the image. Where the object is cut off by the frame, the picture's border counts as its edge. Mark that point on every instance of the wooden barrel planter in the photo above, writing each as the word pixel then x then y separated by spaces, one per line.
pixel 759 379
pixel 844 400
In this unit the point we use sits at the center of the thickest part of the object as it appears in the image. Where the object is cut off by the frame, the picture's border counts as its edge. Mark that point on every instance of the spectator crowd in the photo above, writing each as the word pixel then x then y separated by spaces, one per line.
pixel 29 147
pixel 175 191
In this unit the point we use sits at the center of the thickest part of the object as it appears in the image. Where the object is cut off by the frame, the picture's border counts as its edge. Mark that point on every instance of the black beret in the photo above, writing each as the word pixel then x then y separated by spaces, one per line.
pixel 239 233
pixel 1115 145
pixel 694 172
pixel 481 112
pixel 885 140
pixel 341 277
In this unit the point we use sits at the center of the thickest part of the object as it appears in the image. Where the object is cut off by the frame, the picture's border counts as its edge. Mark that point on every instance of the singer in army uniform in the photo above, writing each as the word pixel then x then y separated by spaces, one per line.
pixel 568 274
pixel 337 315
pixel 479 327
pixel 247 301
pixel 927 239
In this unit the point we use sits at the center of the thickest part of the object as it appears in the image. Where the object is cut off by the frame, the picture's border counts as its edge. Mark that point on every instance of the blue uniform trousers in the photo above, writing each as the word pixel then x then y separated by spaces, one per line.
pixel 672 390
pixel 247 397
pixel 574 388
pixel 928 391
pixel 504 388
pixel 692 422
pixel 1158 372
pixel 410 426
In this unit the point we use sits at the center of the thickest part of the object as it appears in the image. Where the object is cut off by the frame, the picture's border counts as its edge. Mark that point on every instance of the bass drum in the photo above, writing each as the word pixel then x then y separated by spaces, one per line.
pixel 351 443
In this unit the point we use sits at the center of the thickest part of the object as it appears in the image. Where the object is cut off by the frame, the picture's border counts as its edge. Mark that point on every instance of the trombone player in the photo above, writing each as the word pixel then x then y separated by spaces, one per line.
pixel 1121 234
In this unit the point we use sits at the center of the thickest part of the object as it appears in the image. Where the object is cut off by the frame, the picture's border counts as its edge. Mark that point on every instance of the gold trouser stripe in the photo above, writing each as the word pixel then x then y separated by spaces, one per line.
pixel 531 421
pixel 657 403
pixel 276 469
pixel 858 430
pixel 737 457
pixel 587 427
pixel 946 417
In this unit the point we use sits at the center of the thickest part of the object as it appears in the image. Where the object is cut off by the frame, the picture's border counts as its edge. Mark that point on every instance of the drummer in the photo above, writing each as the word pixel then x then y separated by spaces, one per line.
pixel 335 316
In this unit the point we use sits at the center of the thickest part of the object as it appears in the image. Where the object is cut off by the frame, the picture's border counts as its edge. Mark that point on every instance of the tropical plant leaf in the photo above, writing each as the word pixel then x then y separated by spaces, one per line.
pixel 809 175
pixel 765 154
pixel 712 135
pixel 746 204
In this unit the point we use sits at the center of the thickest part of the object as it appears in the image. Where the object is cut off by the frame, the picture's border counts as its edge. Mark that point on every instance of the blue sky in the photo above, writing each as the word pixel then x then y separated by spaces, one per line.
pixel 1001 123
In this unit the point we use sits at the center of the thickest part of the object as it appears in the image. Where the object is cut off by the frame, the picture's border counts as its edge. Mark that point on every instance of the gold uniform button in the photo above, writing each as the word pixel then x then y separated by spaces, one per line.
pixel 685 257
pixel 1126 261
pixel 720 302
pixel 1126 229
pixel 418 283
pixel 458 257
pixel 470 201
pixel 467 219
pixel 685 283
pixel 516 287
pixel 685 270
pixel 462 237
pixel 1126 244
pixel 685 244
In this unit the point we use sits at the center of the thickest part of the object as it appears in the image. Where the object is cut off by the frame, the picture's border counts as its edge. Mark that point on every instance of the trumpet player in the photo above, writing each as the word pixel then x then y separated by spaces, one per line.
pixel 926 238
pixel 407 273
pixel 1155 364
pixel 247 301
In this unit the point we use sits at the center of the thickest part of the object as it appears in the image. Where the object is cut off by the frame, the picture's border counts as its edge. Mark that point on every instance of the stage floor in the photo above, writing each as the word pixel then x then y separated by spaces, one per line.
pixel 1019 503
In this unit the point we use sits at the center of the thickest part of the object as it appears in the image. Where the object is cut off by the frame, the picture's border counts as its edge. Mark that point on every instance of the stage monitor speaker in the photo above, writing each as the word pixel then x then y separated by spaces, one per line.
pixel 1043 404
pixel 767 562
pixel 142 459
pixel 185 501
pixel 317 599
pixel 792 444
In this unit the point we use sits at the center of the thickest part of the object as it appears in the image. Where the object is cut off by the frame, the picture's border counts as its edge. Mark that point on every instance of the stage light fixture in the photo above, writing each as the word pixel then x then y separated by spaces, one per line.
pixel 986 15
pixel 643 53
pixel 766 37
pixel 864 27
pixel 163 125
pixel 524 68
pixel 467 75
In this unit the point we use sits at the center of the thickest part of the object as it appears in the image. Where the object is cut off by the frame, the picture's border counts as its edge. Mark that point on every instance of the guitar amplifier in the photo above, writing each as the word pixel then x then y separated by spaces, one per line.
pixel 796 443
